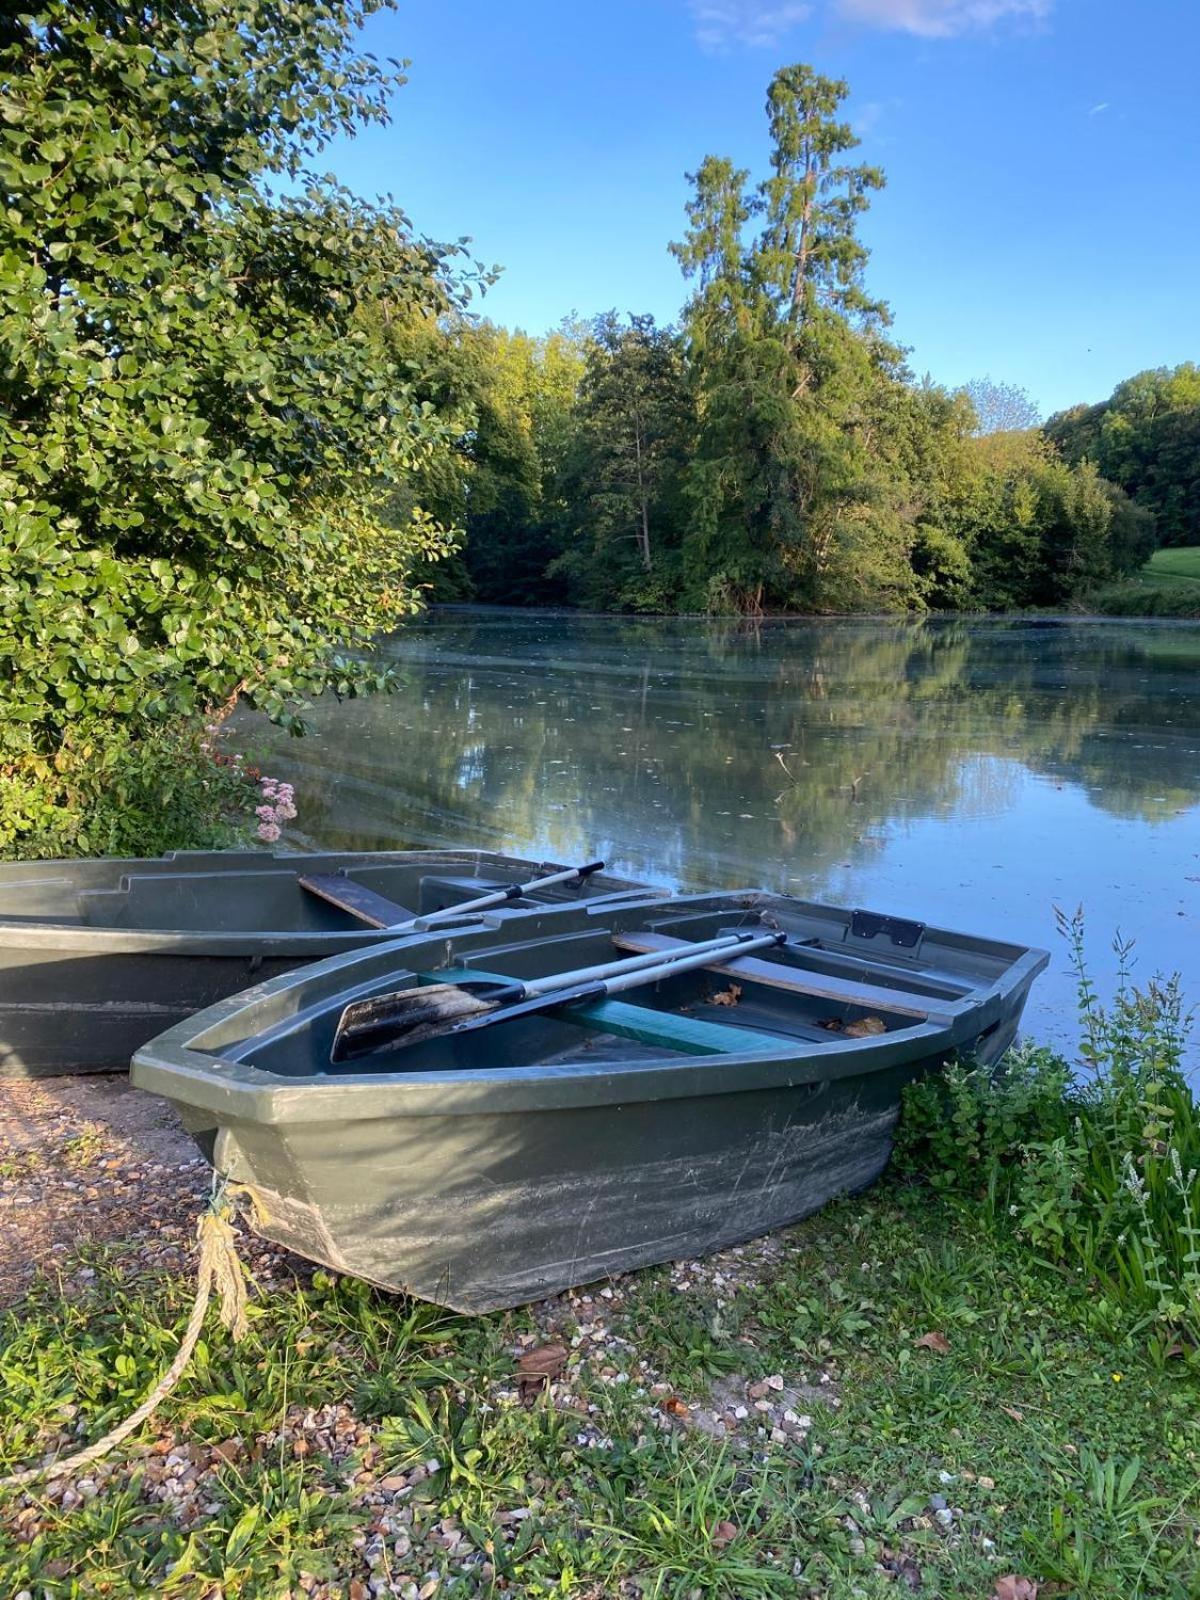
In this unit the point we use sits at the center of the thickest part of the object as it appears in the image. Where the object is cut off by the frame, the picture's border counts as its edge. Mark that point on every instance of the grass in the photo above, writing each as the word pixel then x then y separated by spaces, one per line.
pixel 1181 565
pixel 18 1164
pixel 1071 1443
pixel 1096 1169
pixel 1167 586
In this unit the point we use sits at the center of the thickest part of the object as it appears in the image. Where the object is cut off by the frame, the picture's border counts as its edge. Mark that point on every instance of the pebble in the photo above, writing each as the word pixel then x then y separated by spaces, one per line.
pixel 938 1502
pixel 945 1516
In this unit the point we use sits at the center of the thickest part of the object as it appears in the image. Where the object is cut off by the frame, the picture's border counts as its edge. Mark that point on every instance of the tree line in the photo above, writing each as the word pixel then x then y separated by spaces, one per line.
pixel 775 451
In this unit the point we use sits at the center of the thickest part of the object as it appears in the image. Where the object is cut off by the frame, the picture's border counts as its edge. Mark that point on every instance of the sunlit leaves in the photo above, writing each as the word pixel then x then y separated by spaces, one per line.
pixel 199 427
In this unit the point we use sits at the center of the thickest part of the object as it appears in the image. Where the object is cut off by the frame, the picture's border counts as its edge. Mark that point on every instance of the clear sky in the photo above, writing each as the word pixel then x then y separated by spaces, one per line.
pixel 1041 223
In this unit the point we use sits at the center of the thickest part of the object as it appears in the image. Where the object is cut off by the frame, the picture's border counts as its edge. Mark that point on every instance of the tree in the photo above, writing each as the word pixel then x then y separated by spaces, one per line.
pixel 1001 407
pixel 1041 532
pixel 199 424
pixel 621 471
pixel 809 256
pixel 790 363
pixel 522 392
pixel 1145 438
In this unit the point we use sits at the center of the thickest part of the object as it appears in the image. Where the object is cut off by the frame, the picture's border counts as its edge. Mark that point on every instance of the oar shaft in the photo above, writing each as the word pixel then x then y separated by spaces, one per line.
pixel 582 993
pixel 615 969
pixel 497 897
pixel 695 957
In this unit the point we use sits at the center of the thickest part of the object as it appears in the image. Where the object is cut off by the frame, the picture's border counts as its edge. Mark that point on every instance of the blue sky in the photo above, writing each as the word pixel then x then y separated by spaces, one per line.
pixel 1041 222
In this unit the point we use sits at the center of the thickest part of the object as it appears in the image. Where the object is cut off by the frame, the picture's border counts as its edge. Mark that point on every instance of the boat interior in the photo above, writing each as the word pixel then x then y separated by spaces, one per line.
pixel 257 892
pixel 841 976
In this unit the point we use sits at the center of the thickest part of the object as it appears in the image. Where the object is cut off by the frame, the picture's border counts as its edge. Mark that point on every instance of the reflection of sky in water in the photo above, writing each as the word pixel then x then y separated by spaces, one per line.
pixel 974 774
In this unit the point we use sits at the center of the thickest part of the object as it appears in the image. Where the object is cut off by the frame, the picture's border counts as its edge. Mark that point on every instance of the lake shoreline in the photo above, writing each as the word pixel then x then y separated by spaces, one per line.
pixel 1048 616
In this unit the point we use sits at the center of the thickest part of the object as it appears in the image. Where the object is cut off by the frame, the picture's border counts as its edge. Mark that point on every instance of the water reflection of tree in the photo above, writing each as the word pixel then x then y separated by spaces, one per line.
pixel 703 750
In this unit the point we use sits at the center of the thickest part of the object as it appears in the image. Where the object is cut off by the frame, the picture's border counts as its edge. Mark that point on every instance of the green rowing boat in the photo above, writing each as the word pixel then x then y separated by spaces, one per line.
pixel 98 956
pixel 496 1114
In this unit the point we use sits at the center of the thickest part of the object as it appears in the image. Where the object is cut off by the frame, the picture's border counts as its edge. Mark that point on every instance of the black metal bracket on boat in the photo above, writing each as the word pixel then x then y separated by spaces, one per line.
pixel 900 930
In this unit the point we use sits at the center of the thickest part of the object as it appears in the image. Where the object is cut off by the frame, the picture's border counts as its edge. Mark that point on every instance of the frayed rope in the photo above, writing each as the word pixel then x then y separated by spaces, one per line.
pixel 219 1269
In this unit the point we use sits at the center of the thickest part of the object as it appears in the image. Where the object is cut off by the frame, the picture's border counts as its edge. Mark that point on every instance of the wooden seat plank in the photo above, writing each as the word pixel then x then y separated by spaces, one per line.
pixel 839 991
pixel 376 910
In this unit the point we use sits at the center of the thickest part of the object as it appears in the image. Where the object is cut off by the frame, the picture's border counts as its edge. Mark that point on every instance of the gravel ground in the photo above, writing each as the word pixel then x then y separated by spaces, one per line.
pixel 90 1160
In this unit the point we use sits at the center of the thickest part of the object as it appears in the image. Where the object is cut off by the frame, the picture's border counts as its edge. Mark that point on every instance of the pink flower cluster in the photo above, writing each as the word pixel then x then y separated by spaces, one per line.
pixel 279 806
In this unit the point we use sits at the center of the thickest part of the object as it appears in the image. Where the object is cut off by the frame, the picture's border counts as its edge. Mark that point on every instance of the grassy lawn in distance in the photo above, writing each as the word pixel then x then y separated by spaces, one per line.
pixel 1167 586
pixel 1180 565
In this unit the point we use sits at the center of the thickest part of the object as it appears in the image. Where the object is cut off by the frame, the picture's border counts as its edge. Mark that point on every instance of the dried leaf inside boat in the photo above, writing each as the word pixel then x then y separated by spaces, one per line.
pixel 727 997
pixel 863 1028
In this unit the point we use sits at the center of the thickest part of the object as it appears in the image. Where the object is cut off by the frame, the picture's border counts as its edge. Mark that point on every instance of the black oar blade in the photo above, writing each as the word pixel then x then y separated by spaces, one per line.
pixel 406 1016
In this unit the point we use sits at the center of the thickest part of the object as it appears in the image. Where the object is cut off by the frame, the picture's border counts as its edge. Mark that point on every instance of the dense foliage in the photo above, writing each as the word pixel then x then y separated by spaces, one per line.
pixel 623 514
pixel 775 451
pixel 1146 438
pixel 200 423
pixel 124 791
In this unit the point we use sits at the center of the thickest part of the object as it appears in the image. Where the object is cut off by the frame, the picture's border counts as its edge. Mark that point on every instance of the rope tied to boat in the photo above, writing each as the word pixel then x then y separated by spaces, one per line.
pixel 219 1269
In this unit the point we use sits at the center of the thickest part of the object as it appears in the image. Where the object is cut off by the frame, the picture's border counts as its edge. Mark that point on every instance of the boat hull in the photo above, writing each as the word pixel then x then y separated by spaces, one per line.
pixel 176 934
pixel 70 1010
pixel 487 1211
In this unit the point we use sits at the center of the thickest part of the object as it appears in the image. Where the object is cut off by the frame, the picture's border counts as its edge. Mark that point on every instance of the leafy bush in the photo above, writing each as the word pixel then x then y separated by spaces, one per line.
pixel 1098 1170
pixel 654 593
pixel 108 792
pixel 201 421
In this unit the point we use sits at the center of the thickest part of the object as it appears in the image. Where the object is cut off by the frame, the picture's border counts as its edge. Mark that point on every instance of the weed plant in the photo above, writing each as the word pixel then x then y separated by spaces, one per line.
pixel 1096 1167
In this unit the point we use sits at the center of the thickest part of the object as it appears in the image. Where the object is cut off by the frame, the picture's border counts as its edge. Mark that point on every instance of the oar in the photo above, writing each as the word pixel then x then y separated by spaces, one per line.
pixel 427 1011
pixel 497 897
pixel 379 912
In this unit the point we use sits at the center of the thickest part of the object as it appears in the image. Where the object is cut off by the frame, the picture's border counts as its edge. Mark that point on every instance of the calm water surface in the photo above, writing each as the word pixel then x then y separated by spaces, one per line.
pixel 975 774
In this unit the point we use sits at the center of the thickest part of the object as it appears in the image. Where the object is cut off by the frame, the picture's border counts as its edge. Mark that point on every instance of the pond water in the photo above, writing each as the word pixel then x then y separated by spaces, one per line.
pixel 973 773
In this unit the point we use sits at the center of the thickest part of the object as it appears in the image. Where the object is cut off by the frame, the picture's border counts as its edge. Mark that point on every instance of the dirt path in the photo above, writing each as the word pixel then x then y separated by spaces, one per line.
pixel 88 1161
